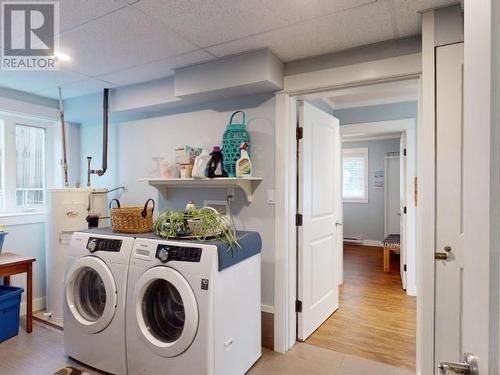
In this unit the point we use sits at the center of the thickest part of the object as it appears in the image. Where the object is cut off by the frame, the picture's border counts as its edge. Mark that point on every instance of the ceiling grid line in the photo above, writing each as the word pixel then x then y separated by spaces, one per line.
pixel 123 42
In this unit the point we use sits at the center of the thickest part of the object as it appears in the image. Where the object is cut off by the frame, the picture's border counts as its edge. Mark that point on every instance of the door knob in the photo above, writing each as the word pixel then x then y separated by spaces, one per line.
pixel 470 366
pixel 338 223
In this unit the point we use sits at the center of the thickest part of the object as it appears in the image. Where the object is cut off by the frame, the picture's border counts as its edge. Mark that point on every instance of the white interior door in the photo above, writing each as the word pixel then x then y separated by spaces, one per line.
pixel 319 186
pixel 449 204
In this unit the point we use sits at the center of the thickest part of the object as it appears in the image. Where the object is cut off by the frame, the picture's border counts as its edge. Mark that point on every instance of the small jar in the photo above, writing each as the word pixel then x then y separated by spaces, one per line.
pixel 169 170
pixel 186 170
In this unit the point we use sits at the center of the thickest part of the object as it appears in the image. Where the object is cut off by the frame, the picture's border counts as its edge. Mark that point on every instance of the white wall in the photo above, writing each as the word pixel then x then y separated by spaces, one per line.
pixel 366 220
pixel 134 143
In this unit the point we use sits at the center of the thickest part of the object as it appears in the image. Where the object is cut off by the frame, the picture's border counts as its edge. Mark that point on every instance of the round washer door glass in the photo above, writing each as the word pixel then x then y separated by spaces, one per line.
pixel 163 311
pixel 90 292
pixel 166 311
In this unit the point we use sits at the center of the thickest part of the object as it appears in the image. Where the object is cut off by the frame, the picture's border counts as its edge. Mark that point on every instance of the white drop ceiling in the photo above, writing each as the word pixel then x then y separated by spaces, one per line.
pixel 120 42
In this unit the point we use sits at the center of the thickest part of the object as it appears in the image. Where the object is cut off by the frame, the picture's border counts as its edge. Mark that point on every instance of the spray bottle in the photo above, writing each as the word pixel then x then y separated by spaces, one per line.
pixel 244 165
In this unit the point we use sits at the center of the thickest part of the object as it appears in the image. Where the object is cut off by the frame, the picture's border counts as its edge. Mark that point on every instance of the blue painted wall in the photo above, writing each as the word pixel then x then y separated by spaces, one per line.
pixel 366 220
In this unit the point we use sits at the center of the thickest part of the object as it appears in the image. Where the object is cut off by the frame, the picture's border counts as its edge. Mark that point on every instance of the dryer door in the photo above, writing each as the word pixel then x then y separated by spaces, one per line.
pixel 166 311
pixel 90 294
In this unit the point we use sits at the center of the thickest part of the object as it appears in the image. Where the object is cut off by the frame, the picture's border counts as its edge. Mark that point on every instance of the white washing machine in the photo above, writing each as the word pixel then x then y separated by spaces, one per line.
pixel 94 300
pixel 191 312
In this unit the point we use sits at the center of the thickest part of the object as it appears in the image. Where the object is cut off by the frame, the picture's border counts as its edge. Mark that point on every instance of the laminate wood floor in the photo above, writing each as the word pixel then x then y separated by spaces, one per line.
pixel 42 353
pixel 376 318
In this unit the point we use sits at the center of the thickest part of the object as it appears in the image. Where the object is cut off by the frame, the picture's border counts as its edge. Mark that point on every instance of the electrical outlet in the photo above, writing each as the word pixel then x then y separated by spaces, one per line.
pixel 230 193
pixel 271 197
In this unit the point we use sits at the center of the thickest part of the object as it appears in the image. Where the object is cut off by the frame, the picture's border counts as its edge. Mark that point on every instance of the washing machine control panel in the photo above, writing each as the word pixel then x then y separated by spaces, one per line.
pixel 167 253
pixel 103 244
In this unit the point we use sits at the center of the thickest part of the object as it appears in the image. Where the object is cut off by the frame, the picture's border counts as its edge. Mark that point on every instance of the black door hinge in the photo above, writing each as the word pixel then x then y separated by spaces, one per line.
pixel 299 133
pixel 298 306
pixel 404 209
pixel 404 268
pixel 298 220
pixel 404 152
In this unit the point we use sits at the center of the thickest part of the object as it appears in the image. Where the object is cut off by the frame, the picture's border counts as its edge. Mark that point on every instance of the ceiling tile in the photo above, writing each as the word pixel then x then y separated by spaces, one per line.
pixel 120 40
pixel 71 90
pixel 406 13
pixel 156 69
pixel 31 81
pixel 352 28
pixel 207 23
pixel 76 12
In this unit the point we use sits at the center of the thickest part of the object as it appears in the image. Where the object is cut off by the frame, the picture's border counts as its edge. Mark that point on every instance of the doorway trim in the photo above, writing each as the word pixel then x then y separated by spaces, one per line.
pixel 285 287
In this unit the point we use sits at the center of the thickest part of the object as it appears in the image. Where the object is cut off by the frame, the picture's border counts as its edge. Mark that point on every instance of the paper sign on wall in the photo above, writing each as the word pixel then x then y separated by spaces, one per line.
pixel 378 179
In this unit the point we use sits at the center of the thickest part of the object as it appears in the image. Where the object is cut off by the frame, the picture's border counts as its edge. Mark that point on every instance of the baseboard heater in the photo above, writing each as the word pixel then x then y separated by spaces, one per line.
pixel 353 240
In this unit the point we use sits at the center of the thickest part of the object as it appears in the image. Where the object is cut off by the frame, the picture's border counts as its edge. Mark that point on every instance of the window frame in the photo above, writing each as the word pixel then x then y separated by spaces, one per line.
pixel 10 162
pixel 359 152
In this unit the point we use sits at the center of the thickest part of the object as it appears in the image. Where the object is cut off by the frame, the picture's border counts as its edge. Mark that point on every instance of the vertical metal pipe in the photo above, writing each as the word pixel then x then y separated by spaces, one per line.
pixel 105 110
pixel 63 135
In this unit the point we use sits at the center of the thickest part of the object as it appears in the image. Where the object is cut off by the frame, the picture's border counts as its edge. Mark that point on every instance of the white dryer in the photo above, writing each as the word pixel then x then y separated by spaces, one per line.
pixel 94 300
pixel 190 313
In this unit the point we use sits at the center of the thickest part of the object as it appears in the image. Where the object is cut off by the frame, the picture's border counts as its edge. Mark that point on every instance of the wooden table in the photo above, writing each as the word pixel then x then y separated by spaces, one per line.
pixel 13 264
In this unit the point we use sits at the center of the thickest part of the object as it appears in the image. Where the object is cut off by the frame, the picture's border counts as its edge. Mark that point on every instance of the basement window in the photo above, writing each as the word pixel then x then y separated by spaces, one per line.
pixel 355 175
pixel 30 165
pixel 26 154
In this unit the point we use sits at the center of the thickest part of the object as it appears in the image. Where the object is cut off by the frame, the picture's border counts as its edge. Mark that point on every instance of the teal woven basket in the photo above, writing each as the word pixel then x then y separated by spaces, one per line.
pixel 234 136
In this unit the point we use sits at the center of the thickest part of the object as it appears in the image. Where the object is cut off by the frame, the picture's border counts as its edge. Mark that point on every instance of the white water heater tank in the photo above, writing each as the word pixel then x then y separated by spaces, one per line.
pixel 68 211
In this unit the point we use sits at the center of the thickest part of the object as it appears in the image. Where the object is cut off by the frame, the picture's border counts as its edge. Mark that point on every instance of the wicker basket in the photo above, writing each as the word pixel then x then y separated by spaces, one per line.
pixel 196 226
pixel 132 219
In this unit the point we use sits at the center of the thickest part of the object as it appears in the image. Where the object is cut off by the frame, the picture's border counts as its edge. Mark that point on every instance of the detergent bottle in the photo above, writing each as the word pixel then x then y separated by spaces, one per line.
pixel 215 167
pixel 244 165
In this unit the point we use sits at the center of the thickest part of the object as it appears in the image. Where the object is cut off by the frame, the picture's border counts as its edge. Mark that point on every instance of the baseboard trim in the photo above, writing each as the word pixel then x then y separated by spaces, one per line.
pixel 267 309
pixel 267 330
pixel 372 243
pixel 38 304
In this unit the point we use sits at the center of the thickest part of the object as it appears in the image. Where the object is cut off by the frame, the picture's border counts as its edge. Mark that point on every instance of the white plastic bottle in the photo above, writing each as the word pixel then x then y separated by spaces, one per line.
pixel 244 164
pixel 200 165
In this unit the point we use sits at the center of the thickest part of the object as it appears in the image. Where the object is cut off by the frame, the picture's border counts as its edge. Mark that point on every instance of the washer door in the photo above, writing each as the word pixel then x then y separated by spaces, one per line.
pixel 166 311
pixel 91 294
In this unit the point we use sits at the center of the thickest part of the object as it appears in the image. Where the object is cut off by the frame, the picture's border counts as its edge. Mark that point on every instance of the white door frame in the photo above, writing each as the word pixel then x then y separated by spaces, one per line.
pixel 386 180
pixel 285 292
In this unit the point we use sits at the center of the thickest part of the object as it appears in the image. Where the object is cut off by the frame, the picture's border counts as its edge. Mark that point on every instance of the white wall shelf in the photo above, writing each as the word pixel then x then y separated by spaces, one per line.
pixel 246 184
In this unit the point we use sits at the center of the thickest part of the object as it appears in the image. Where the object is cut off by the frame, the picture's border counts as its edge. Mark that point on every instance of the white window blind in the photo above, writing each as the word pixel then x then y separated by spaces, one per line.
pixel 30 155
pixel 355 175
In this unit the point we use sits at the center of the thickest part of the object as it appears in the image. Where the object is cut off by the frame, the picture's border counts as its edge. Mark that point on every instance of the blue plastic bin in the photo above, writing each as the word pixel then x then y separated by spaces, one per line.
pixel 10 302
pixel 2 238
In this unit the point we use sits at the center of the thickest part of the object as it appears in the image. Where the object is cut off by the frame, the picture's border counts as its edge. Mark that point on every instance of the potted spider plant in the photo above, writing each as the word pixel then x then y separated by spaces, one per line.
pixel 200 223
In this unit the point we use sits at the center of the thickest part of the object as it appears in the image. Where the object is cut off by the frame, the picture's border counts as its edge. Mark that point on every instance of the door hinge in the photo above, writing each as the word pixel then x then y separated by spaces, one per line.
pixel 404 268
pixel 299 132
pixel 404 209
pixel 298 306
pixel 404 152
pixel 298 220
